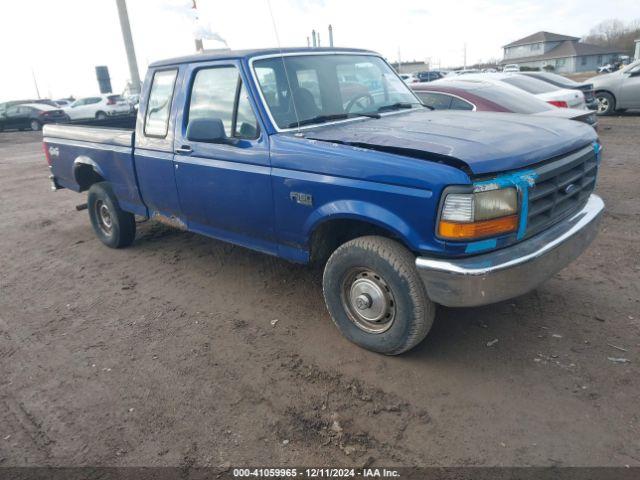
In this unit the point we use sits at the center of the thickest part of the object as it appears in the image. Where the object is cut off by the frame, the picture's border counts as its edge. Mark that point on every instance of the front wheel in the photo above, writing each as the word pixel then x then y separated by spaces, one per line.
pixel 101 116
pixel 113 226
pixel 375 295
pixel 35 125
pixel 606 103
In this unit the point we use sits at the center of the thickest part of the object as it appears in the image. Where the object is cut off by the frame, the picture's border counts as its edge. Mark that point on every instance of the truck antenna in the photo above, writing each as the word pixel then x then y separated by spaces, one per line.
pixel 284 65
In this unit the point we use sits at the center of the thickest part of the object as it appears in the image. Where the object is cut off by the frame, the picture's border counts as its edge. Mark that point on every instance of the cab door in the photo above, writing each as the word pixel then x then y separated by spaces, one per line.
pixel 223 180
pixel 153 151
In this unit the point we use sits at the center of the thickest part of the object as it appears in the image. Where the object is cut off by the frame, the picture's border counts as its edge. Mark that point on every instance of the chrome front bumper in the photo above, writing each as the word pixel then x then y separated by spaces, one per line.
pixel 512 271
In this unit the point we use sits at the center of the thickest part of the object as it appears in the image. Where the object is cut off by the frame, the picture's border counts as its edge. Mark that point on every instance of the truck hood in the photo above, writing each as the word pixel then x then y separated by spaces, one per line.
pixel 477 142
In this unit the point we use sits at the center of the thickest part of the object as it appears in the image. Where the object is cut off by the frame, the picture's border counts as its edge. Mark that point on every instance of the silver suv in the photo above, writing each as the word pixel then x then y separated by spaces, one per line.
pixel 618 91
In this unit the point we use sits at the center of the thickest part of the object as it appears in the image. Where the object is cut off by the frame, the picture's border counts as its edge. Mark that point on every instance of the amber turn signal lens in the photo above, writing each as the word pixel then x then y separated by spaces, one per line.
pixel 474 230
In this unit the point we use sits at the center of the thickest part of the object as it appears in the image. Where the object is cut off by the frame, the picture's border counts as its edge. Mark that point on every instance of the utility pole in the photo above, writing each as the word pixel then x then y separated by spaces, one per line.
pixel 199 45
pixel 128 46
pixel 330 36
pixel 313 36
pixel 35 82
pixel 465 56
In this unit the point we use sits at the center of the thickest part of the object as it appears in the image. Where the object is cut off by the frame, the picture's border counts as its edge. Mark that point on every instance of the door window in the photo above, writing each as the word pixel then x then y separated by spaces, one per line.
pixel 218 93
pixel 159 104
pixel 437 101
pixel 459 104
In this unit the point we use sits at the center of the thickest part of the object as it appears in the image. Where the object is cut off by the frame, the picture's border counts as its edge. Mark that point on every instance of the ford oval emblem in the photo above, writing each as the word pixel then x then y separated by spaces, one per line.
pixel 569 188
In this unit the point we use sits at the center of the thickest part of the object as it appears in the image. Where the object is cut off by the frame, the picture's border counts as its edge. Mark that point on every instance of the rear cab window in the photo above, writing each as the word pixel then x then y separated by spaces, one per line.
pixel 156 121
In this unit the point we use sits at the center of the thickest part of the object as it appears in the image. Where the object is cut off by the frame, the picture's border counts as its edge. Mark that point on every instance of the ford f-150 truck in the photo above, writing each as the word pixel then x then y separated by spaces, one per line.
pixel 326 156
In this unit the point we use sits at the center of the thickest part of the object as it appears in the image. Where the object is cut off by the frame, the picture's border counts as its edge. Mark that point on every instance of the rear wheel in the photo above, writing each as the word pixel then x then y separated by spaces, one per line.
pixel 101 116
pixel 375 295
pixel 606 103
pixel 35 125
pixel 113 226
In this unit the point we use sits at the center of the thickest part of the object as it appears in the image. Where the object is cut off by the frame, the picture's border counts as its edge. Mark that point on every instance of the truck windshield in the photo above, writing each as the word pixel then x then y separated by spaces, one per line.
pixel 329 87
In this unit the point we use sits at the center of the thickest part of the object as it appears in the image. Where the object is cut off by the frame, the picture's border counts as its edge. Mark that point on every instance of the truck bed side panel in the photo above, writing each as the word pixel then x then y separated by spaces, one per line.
pixel 108 151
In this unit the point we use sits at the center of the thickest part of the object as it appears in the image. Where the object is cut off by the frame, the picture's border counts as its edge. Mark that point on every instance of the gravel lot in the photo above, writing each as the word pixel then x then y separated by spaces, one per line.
pixel 182 350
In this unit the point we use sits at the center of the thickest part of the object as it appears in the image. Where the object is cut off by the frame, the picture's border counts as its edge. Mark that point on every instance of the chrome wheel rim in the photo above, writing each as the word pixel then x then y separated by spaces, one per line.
pixel 105 221
pixel 368 300
pixel 603 104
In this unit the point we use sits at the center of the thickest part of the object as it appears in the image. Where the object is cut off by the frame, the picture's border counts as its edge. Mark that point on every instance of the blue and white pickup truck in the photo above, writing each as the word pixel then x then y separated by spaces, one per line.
pixel 326 156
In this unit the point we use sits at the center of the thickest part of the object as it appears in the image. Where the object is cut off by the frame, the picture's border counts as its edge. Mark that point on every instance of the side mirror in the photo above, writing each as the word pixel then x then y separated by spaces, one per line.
pixel 210 130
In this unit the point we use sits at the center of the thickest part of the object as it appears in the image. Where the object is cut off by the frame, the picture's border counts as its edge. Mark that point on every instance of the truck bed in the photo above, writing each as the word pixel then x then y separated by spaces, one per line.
pixel 77 153
pixel 106 135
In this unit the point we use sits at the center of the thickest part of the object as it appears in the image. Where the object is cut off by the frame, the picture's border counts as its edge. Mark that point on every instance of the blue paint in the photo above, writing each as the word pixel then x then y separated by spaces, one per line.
pixel 488 244
pixel 522 181
pixel 597 148
pixel 241 192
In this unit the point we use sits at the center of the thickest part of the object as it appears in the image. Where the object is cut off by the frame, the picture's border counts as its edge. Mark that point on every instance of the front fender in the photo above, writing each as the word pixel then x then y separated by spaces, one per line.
pixel 362 211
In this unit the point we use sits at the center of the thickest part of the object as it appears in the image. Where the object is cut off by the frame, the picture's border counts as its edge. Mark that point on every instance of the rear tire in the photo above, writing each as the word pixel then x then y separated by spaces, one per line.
pixel 376 297
pixel 606 103
pixel 35 125
pixel 113 226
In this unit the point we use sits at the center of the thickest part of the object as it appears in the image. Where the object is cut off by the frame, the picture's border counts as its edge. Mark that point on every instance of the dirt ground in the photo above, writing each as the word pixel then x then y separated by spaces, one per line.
pixel 183 350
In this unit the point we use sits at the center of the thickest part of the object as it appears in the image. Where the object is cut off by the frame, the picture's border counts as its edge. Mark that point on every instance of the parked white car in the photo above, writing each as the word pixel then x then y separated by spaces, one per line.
pixel 98 107
pixel 510 68
pixel 558 97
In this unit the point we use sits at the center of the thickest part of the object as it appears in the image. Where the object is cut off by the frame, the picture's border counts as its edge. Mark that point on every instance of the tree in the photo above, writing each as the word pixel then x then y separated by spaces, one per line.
pixel 614 33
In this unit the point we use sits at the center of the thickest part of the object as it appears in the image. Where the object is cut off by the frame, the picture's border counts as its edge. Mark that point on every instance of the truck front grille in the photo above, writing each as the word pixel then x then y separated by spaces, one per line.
pixel 562 186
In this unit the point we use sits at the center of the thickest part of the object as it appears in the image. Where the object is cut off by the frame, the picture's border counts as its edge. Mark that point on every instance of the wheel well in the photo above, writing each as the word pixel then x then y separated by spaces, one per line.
pixel 605 91
pixel 330 234
pixel 86 176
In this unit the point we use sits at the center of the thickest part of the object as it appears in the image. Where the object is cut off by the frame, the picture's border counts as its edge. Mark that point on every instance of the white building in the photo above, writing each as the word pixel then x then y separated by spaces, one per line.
pixel 564 53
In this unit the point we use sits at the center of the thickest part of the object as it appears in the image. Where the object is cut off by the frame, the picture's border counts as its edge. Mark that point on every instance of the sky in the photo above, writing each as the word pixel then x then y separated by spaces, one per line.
pixel 60 42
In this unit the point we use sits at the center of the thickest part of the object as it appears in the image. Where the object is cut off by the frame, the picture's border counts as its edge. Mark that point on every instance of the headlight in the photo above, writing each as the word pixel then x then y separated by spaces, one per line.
pixel 469 216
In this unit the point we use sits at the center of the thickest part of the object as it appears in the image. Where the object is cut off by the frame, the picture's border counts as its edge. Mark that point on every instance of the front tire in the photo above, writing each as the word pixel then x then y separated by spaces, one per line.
pixel 606 103
pixel 113 226
pixel 376 297
pixel 35 125
pixel 101 116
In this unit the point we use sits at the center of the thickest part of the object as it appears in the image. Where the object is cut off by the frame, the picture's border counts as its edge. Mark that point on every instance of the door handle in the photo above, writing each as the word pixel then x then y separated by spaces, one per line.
pixel 184 150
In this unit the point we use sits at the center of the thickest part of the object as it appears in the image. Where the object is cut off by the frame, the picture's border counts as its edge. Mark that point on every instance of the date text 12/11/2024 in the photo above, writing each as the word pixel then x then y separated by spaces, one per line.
pixel 315 473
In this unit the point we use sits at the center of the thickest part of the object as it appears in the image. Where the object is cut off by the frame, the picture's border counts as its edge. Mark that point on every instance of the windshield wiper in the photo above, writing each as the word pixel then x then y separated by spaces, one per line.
pixel 396 106
pixel 328 118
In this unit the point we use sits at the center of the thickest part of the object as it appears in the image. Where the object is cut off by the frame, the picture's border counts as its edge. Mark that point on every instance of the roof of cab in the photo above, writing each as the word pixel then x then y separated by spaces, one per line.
pixel 235 54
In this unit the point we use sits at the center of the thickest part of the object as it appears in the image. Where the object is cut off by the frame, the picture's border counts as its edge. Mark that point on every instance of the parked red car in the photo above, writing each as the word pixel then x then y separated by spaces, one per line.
pixel 489 97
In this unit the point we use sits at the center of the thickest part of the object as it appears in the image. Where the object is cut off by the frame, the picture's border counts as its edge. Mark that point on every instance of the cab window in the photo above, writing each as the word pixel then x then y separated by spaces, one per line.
pixel 159 104
pixel 219 93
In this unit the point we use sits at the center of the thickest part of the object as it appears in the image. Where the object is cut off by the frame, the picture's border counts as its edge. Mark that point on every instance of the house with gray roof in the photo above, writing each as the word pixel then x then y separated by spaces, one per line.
pixel 564 53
